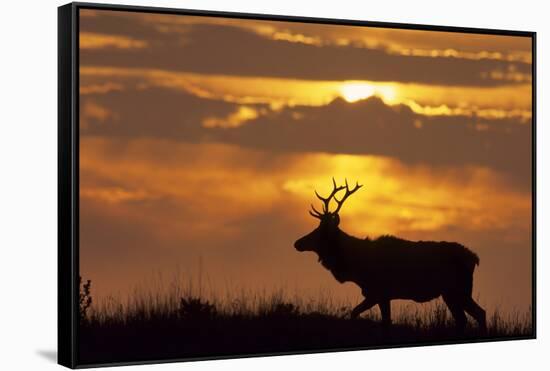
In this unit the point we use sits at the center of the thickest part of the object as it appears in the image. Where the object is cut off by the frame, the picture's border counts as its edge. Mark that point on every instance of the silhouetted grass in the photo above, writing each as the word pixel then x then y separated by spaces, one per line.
pixel 179 323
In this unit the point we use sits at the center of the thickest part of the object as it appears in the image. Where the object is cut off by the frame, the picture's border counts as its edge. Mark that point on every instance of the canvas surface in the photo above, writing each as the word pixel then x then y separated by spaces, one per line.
pixel 203 141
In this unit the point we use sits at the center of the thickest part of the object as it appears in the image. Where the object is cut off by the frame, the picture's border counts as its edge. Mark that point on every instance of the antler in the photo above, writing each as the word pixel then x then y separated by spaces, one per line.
pixel 326 200
pixel 348 193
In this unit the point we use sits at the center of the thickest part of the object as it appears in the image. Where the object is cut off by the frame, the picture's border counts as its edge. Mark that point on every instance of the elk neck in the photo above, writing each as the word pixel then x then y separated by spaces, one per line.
pixel 345 256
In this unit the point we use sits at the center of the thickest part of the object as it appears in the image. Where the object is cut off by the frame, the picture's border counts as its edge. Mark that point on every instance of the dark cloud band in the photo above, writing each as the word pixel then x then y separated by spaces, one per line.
pixel 221 49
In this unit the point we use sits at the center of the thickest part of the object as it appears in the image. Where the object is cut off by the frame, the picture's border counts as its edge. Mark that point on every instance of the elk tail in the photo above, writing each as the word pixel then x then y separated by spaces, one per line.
pixel 472 257
pixel 476 259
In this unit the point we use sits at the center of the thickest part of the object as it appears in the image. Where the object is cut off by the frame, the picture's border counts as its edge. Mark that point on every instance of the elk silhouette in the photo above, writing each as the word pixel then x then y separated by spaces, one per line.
pixel 390 268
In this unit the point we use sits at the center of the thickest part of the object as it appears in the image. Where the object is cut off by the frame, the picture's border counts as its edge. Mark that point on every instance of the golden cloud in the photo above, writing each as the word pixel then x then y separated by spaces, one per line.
pixel 115 195
pixel 89 40
pixel 223 182
pixel 100 88
pixel 93 111
pixel 233 120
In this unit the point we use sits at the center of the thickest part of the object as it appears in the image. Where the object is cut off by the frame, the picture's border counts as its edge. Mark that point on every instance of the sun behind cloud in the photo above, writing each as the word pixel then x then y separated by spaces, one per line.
pixel 354 91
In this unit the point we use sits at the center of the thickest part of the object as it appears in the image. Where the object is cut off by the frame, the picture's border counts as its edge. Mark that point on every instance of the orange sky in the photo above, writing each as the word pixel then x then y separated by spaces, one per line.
pixel 202 139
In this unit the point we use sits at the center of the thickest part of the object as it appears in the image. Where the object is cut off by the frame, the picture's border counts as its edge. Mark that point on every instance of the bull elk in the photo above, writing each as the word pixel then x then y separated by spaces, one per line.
pixel 390 268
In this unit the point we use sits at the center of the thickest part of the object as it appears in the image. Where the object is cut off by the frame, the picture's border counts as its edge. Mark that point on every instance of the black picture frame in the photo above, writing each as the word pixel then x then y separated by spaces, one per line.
pixel 68 166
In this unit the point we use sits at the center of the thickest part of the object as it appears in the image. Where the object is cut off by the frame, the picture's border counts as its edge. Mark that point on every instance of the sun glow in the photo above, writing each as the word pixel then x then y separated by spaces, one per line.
pixel 355 91
pixel 352 92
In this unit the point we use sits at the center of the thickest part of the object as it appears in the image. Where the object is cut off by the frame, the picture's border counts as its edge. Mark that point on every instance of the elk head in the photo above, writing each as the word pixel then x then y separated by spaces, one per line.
pixel 324 236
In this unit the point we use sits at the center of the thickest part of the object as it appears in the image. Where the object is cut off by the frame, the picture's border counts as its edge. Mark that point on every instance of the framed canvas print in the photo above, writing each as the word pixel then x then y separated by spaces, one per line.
pixel 235 185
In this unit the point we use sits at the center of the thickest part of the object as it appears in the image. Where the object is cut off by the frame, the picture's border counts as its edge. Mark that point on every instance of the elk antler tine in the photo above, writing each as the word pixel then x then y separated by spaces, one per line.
pixel 349 192
pixel 314 215
pixel 326 200
pixel 314 209
pixel 320 197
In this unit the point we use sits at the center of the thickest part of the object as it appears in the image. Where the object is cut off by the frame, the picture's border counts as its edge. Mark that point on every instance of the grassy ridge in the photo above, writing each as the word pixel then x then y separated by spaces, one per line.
pixel 177 323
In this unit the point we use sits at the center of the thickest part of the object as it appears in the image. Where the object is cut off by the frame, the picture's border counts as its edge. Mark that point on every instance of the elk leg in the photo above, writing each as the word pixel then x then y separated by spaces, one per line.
pixel 363 306
pixel 473 309
pixel 457 311
pixel 385 311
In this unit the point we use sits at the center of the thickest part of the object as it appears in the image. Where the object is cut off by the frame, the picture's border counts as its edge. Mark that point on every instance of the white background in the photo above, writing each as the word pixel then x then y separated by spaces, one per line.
pixel 28 183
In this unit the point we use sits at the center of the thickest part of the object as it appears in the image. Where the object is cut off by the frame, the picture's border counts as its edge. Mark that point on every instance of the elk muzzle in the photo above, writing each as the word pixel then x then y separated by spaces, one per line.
pixel 307 243
pixel 299 244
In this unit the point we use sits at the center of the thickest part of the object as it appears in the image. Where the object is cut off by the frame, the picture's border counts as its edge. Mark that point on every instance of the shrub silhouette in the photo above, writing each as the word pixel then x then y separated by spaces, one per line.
pixel 281 310
pixel 196 308
pixel 85 297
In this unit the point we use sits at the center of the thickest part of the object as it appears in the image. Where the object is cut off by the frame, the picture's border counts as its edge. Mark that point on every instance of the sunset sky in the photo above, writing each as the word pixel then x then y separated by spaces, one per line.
pixel 202 139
